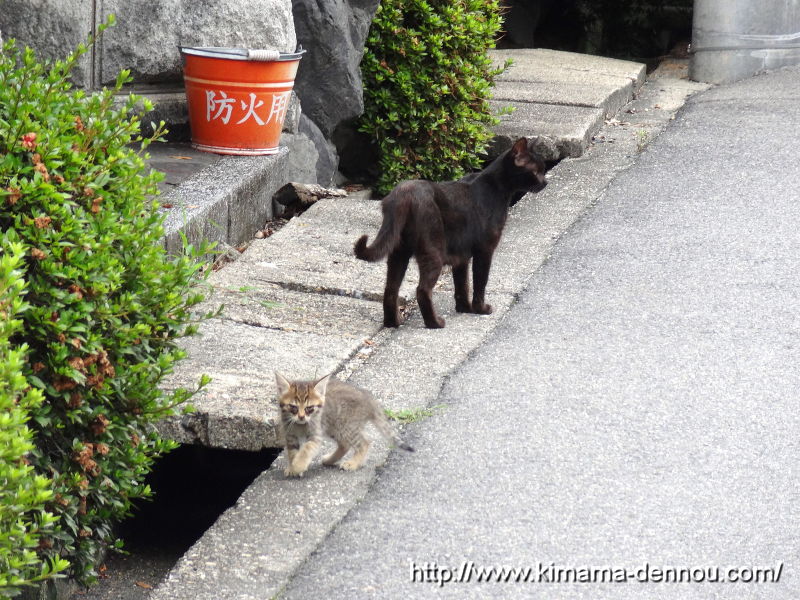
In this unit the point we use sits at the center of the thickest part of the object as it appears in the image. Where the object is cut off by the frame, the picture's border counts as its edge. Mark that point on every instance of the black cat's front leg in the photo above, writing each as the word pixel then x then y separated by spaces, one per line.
pixel 461 284
pixel 481 263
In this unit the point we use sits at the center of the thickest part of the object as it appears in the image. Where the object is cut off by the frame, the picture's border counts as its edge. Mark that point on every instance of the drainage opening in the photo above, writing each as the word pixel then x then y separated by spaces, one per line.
pixel 192 486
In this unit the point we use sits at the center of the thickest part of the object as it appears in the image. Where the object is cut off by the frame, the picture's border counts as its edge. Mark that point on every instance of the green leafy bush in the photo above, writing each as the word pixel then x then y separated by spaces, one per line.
pixel 427 80
pixel 106 303
pixel 24 522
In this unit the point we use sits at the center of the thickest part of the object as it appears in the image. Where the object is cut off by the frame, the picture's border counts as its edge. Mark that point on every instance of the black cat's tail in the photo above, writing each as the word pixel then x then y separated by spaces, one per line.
pixel 388 235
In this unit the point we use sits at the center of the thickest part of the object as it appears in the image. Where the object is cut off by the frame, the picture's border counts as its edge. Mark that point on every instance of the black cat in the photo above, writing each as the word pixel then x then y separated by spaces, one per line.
pixel 450 223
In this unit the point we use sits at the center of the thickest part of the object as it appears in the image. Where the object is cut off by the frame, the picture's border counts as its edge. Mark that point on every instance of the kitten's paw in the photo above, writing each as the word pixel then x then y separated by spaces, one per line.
pixel 483 309
pixel 330 460
pixel 350 465
pixel 291 472
pixel 391 322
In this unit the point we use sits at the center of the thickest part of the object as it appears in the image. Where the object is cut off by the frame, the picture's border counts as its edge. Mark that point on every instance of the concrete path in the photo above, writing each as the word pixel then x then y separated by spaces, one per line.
pixel 634 417
pixel 299 302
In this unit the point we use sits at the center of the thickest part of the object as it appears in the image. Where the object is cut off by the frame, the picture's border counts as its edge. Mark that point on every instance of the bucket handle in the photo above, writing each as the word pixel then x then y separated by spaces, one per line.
pixel 263 55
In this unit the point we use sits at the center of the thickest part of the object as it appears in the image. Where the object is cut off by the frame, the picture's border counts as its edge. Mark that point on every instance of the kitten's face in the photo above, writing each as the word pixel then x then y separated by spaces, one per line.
pixel 300 401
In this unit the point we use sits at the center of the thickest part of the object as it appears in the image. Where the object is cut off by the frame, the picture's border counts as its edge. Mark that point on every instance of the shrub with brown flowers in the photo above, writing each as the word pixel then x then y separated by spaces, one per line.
pixel 24 522
pixel 106 303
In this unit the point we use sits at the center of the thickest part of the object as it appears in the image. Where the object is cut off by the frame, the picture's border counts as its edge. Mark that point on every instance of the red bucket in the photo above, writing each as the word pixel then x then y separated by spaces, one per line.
pixel 238 98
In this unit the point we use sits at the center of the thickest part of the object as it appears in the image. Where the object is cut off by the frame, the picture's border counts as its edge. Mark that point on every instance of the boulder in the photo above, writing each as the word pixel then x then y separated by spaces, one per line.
pixel 52 28
pixel 148 34
pixel 312 158
pixel 329 79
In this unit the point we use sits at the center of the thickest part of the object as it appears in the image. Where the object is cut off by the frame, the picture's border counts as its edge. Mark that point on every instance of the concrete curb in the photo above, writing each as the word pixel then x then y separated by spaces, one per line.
pixel 228 201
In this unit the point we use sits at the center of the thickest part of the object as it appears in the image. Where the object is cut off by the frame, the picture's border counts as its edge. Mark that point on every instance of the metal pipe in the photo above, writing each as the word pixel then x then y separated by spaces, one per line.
pixel 734 39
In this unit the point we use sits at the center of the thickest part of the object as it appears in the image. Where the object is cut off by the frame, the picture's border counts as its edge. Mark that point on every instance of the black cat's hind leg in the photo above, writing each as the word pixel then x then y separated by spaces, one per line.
pixel 430 267
pixel 396 265
pixel 461 285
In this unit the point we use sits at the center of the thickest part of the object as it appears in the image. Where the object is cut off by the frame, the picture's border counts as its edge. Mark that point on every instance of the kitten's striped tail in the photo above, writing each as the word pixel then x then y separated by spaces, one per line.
pixel 383 425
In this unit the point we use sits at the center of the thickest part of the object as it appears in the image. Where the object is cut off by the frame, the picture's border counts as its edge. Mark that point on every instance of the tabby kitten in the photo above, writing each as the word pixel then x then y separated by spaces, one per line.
pixel 309 409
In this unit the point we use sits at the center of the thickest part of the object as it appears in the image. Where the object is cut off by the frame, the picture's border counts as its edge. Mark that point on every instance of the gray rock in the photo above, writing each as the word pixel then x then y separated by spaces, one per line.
pixel 147 36
pixel 292 120
pixel 53 28
pixel 329 78
pixel 312 158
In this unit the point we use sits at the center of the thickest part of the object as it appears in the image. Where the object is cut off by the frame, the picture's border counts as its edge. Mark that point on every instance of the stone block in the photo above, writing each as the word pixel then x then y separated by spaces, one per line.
pixel 237 410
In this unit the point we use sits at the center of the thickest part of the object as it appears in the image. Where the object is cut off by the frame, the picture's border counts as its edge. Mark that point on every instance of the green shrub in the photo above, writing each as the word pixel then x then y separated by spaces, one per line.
pixel 427 80
pixel 106 303
pixel 24 522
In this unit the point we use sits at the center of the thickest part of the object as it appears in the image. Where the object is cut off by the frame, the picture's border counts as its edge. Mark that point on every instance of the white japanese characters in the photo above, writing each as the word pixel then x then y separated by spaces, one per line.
pixel 220 106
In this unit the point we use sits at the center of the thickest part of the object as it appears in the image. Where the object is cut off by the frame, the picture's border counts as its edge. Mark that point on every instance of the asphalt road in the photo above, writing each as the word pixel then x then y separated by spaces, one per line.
pixel 635 416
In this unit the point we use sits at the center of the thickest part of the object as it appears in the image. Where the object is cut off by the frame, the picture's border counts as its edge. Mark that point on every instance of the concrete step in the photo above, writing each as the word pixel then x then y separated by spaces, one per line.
pixel 560 97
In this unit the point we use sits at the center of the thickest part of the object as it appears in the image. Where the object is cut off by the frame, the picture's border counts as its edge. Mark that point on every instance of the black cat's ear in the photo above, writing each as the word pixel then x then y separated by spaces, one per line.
pixel 282 383
pixel 519 151
pixel 321 385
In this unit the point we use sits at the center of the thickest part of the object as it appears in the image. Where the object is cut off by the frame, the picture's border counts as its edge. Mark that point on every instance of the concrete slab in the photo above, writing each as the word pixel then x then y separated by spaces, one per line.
pixel 236 410
pixel 265 304
pixel 276 523
pixel 540 64
pixel 563 131
pixel 227 201
pixel 178 162
pixel 562 97
pixel 314 252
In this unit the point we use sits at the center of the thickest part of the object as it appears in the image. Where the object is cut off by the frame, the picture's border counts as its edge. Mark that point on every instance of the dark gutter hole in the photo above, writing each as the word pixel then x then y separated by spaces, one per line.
pixel 193 486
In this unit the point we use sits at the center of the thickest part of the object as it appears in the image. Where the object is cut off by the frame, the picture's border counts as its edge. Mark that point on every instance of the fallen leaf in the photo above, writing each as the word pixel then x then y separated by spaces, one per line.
pixel 144 585
pixel 182 157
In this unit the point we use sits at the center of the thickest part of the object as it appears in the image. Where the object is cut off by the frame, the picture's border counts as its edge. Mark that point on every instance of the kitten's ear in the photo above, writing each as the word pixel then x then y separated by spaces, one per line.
pixel 519 151
pixel 321 385
pixel 283 383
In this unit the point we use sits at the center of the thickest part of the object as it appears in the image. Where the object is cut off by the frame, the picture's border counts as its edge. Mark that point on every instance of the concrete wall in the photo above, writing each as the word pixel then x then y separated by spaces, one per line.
pixel 733 39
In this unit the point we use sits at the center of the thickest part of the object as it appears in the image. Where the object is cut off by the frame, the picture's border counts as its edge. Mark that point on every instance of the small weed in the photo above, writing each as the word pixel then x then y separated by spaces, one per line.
pixel 411 415
pixel 247 288
pixel 271 304
pixel 642 138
